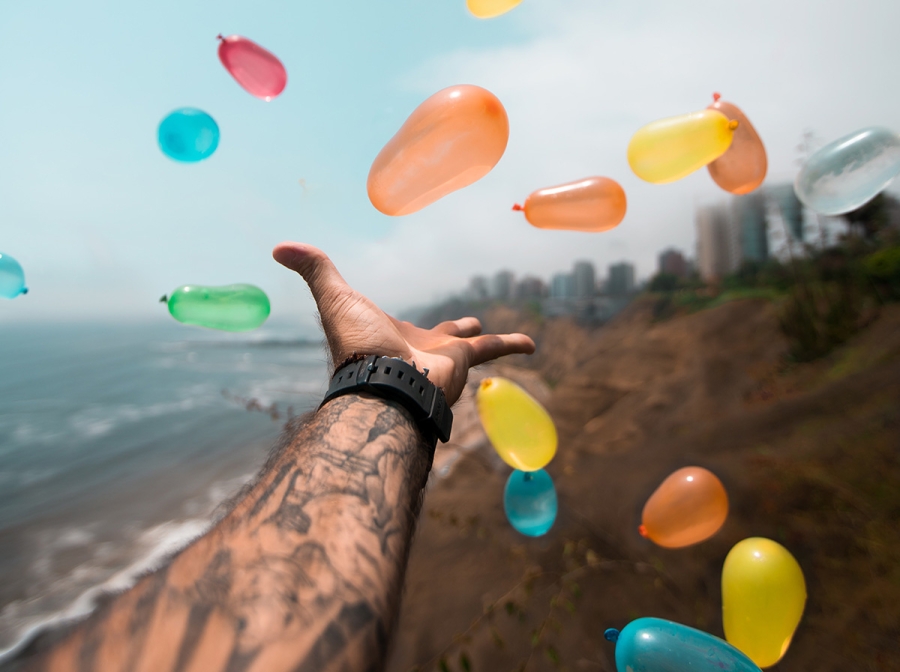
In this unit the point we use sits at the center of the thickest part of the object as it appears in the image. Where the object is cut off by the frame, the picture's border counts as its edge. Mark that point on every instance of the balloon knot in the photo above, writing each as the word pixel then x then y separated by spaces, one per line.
pixel 25 290
pixel 529 476
pixel 219 37
pixel 733 124
pixel 642 530
pixel 611 635
pixel 518 208
pixel 164 299
pixel 716 97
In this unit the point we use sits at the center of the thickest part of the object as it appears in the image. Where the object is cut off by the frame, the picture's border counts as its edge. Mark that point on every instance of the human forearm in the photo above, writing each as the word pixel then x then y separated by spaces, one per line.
pixel 304 573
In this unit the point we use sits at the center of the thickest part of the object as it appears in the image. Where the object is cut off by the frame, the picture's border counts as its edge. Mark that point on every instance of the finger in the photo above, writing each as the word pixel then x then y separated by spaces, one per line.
pixel 314 265
pixel 463 328
pixel 491 346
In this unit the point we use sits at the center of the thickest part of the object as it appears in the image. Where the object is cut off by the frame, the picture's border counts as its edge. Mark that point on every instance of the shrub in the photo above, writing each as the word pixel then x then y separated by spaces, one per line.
pixel 818 318
pixel 883 268
pixel 664 282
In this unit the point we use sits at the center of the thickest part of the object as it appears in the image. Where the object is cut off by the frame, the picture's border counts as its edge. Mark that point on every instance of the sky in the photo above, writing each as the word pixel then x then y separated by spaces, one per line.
pixel 104 224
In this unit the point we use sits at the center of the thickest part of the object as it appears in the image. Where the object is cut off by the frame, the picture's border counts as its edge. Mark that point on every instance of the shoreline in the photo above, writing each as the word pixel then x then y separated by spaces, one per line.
pixel 176 535
pixel 154 545
pixel 142 551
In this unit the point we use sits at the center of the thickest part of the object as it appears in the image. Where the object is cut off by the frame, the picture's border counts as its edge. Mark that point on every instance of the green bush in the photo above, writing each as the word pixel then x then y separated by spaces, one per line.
pixel 664 282
pixel 883 268
pixel 818 318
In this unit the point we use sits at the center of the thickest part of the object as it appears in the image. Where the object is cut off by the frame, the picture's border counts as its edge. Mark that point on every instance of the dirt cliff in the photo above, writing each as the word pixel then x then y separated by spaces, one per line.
pixel 809 454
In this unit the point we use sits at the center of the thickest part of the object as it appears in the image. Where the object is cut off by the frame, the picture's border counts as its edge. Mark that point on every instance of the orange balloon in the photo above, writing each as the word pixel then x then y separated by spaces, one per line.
pixel 743 167
pixel 591 204
pixel 450 141
pixel 688 507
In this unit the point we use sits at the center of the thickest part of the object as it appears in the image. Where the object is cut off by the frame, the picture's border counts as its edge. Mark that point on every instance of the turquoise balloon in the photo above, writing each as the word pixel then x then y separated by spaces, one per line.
pixel 530 502
pixel 188 135
pixel 657 645
pixel 12 277
pixel 850 171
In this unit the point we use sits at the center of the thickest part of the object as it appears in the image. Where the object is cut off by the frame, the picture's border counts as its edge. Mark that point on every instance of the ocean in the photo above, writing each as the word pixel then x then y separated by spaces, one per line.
pixel 117 445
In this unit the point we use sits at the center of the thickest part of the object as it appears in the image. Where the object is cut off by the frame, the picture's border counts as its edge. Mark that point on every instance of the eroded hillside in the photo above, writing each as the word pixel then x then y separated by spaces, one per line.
pixel 810 455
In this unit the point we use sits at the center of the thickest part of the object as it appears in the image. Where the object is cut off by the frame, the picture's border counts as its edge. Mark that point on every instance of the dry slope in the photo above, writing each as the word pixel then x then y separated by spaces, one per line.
pixel 810 456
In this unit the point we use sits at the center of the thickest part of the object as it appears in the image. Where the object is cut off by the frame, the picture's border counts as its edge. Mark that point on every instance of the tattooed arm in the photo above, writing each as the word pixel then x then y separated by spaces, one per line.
pixel 306 571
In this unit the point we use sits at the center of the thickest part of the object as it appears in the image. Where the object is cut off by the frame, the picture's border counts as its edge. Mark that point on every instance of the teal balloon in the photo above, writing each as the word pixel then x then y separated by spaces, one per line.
pixel 188 135
pixel 849 172
pixel 12 277
pixel 530 502
pixel 657 645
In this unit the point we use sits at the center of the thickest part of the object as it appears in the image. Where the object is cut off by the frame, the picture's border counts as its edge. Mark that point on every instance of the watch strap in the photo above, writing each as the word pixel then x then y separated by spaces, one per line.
pixel 394 379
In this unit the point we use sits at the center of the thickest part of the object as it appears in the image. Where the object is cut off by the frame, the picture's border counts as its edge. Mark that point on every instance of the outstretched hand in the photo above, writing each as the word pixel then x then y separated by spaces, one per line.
pixel 353 324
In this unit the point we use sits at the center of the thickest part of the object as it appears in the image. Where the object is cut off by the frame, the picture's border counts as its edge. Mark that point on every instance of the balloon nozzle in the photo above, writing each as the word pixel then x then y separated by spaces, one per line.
pixel 517 207
pixel 219 37
pixel 716 96
pixel 611 635
pixel 164 299
pixel 733 124
pixel 642 530
pixel 25 290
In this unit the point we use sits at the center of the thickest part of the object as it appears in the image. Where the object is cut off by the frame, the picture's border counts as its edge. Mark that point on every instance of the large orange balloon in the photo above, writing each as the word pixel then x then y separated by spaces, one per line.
pixel 591 204
pixel 743 167
pixel 450 141
pixel 687 508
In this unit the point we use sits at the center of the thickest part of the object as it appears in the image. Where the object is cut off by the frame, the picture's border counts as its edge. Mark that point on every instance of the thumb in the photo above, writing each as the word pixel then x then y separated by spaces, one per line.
pixel 314 265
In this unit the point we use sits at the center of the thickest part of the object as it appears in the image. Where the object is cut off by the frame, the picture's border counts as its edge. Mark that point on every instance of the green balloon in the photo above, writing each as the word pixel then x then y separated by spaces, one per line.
pixel 229 308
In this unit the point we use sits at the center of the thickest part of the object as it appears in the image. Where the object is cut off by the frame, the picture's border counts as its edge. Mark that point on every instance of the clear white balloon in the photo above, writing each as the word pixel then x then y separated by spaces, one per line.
pixel 849 172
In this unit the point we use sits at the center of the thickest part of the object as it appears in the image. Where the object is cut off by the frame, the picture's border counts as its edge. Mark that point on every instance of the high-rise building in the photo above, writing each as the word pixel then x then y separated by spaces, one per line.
pixel 530 288
pixel 672 261
pixel 584 280
pixel 749 214
pixel 478 288
pixel 562 286
pixel 621 278
pixel 732 233
pixel 718 248
pixel 786 205
pixel 502 286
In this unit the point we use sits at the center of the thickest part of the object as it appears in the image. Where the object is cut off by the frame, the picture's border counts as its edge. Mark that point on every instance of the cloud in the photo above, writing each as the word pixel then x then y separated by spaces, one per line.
pixel 591 75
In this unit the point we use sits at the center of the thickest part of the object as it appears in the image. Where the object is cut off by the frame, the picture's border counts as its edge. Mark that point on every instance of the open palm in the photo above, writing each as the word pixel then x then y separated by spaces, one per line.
pixel 355 325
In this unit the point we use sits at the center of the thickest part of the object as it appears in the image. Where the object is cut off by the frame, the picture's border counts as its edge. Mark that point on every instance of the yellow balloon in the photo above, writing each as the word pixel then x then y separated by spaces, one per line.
pixel 521 431
pixel 673 148
pixel 488 9
pixel 763 594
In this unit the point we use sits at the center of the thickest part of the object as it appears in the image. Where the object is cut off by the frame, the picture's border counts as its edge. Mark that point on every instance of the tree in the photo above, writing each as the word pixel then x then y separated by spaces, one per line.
pixel 874 216
pixel 664 282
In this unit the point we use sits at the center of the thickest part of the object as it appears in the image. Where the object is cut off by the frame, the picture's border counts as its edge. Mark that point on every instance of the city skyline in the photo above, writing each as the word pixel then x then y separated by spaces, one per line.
pixel 581 282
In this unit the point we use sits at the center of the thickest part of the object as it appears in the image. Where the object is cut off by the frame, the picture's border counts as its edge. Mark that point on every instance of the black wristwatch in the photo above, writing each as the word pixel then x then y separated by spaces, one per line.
pixel 394 379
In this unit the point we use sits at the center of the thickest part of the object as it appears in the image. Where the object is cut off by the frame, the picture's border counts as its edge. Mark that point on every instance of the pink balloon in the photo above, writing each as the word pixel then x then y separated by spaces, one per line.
pixel 256 69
